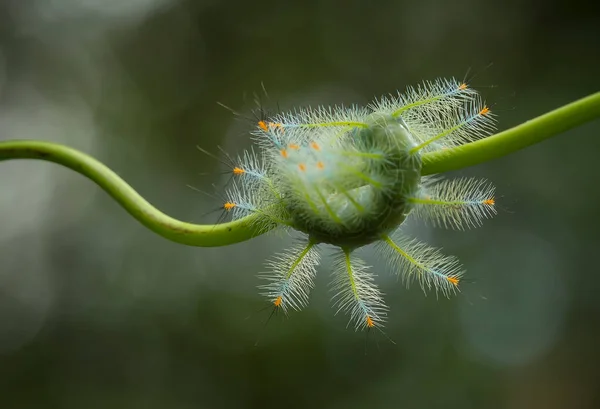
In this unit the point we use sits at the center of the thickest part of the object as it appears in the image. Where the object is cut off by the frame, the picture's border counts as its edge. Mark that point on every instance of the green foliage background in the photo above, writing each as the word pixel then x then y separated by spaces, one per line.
pixel 96 311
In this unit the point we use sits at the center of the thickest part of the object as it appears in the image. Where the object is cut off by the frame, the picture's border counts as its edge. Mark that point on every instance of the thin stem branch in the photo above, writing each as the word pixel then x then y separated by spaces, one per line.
pixel 503 143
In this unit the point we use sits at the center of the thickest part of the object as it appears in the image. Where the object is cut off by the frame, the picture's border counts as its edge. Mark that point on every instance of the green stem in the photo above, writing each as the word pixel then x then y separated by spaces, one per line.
pixel 514 139
pixel 126 196
pixel 503 143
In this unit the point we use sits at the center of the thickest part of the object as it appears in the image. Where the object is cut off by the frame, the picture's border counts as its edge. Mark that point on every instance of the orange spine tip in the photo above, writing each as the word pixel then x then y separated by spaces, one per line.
pixel 489 202
pixel 294 146
pixel 277 302
pixel 262 125
pixel 228 206
pixel 453 280
pixel 276 125
pixel 284 153
pixel 370 322
pixel 302 167
pixel 484 111
pixel 238 171
pixel 320 165
pixel 462 87
pixel 315 146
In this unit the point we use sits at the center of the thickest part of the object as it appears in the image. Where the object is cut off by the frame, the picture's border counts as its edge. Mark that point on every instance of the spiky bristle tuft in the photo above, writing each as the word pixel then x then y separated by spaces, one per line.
pixel 356 293
pixel 412 261
pixel 458 204
pixel 291 277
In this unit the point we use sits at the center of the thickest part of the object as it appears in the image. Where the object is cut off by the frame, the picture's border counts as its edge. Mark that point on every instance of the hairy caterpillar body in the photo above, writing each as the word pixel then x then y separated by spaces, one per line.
pixel 350 177
pixel 348 192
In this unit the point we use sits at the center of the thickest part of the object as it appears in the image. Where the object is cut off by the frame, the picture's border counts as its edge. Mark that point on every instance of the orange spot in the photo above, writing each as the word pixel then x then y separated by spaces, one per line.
pixel 265 126
pixel 370 322
pixel 315 146
pixel 489 202
pixel 484 111
pixel 276 125
pixel 302 167
pixel 277 301
pixel 453 280
pixel 228 206
pixel 462 87
pixel 284 153
pixel 320 165
pixel 238 171
pixel 294 146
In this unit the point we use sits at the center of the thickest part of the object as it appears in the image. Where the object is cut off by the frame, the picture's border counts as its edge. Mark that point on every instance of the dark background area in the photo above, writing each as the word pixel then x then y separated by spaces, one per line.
pixel 98 312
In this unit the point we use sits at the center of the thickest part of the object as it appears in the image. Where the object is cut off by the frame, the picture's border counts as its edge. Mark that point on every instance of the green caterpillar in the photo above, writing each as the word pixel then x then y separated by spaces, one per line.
pixel 350 177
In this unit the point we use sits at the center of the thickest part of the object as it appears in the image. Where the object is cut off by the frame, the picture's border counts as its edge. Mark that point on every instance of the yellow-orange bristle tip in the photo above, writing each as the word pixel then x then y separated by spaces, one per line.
pixel 453 280
pixel 320 165
pixel 228 206
pixel 489 202
pixel 276 125
pixel 370 322
pixel 238 171
pixel 262 125
pixel 294 146
pixel 302 167
pixel 315 146
pixel 484 111
pixel 463 86
pixel 277 302
pixel 284 153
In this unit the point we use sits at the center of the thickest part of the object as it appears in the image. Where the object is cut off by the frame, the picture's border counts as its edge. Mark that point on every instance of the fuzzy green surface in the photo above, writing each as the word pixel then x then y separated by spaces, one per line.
pixel 375 210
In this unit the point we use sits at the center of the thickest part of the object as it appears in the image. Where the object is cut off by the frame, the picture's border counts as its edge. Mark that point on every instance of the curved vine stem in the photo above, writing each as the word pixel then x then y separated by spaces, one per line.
pixel 503 143
pixel 514 139
pixel 126 196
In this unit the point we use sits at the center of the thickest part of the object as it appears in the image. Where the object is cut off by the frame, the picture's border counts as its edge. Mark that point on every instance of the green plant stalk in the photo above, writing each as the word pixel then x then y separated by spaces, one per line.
pixel 501 144
pixel 126 196
pixel 514 139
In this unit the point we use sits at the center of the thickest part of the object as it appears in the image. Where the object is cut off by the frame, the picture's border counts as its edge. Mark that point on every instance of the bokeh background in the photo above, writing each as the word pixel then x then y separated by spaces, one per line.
pixel 98 312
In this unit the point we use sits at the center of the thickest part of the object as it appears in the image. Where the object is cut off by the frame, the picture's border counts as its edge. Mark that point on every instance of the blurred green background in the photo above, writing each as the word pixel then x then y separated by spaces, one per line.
pixel 98 312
